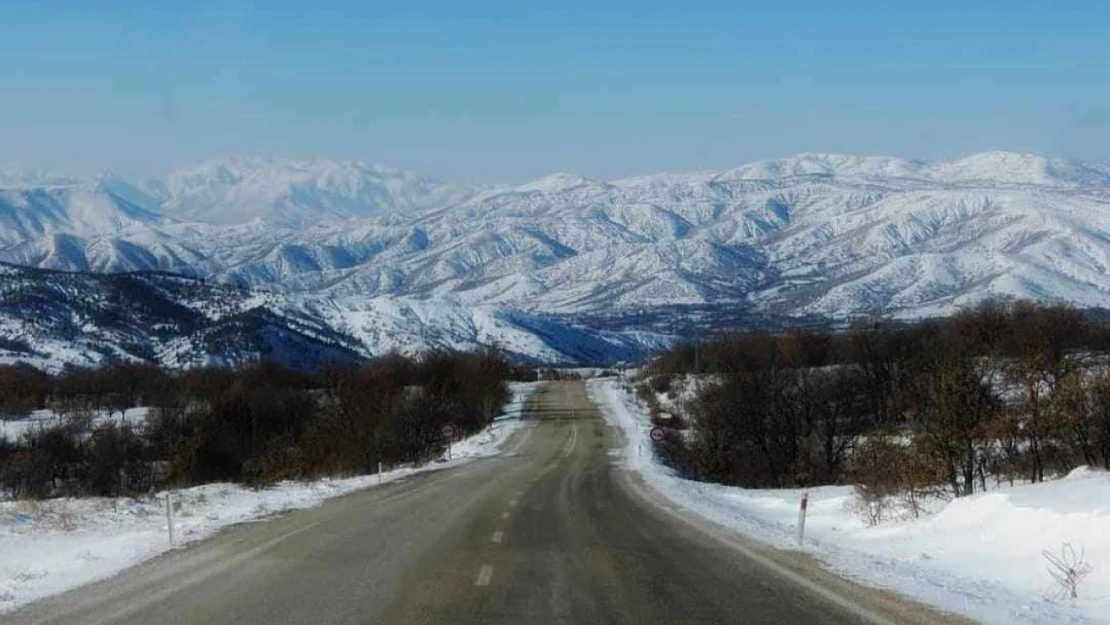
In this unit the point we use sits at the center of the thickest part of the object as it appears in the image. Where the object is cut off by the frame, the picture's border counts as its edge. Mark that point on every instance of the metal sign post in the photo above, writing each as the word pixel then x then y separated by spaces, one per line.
pixel 449 434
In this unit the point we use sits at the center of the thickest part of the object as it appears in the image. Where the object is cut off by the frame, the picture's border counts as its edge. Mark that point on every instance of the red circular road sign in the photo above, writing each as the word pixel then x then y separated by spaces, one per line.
pixel 448 431
pixel 657 434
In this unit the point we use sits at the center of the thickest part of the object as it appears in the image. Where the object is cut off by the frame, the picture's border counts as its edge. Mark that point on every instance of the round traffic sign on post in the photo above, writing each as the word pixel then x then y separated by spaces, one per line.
pixel 657 434
pixel 448 432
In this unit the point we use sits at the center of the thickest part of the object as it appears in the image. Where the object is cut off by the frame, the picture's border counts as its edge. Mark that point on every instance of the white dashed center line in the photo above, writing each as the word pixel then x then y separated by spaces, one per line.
pixel 498 537
pixel 504 515
pixel 485 574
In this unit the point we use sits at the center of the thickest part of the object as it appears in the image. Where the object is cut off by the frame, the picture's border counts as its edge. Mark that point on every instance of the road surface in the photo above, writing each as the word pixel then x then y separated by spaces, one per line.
pixel 550 532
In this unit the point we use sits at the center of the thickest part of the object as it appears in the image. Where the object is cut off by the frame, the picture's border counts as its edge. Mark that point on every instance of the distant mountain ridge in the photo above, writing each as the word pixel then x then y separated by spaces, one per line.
pixel 986 167
pixel 293 192
pixel 814 234
pixel 52 319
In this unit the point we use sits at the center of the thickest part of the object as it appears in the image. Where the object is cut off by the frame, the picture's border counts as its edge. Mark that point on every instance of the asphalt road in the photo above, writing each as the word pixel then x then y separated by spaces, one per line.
pixel 550 532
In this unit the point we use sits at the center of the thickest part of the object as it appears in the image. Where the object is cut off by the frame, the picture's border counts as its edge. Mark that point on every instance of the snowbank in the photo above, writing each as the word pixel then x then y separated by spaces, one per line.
pixel 979 556
pixel 51 546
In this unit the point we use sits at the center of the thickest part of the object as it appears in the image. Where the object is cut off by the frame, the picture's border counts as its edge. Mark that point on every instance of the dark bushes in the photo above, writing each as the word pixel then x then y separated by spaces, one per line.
pixel 22 389
pixel 1008 389
pixel 255 425
pixel 777 427
pixel 117 461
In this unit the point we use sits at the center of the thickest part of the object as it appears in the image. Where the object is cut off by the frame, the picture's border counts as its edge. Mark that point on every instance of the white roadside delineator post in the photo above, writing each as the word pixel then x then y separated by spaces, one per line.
pixel 169 516
pixel 802 519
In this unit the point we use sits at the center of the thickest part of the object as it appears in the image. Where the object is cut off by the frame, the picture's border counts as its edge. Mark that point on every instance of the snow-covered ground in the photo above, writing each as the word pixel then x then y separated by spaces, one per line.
pixel 50 546
pixel 980 556
pixel 15 429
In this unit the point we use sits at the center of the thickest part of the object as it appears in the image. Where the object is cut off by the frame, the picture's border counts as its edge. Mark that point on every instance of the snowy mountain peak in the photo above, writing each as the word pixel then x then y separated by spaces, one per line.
pixel 20 179
pixel 820 164
pixel 294 192
pixel 996 167
pixel 554 183
pixel 232 169
pixel 1018 168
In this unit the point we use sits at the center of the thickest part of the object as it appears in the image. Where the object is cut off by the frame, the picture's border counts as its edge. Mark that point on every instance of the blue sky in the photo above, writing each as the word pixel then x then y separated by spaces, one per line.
pixel 484 91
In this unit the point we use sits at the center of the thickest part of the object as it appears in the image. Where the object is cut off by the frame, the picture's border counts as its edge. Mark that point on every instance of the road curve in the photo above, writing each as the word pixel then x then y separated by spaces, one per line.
pixel 550 532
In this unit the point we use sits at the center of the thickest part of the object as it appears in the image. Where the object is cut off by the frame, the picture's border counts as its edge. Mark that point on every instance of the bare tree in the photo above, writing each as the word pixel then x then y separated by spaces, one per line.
pixel 1040 339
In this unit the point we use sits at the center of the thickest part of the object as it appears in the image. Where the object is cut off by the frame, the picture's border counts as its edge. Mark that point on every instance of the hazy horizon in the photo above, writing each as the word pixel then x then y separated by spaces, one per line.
pixel 107 171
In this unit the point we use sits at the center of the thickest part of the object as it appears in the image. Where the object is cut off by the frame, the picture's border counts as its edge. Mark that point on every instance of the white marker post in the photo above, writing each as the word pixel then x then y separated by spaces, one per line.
pixel 802 519
pixel 169 515
pixel 379 472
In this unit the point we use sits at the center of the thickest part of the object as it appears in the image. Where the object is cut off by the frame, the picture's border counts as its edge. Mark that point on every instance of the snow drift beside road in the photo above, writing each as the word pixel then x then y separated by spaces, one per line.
pixel 979 556
pixel 51 546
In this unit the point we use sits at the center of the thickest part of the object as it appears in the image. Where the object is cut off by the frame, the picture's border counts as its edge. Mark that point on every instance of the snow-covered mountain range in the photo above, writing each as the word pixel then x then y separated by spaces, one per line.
pixel 50 319
pixel 814 234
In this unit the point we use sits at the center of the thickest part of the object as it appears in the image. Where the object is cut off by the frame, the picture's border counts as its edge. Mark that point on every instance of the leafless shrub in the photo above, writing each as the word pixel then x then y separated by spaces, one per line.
pixel 62 521
pixel 876 481
pixel 79 419
pixel 870 505
pixel 30 507
pixel 1068 568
